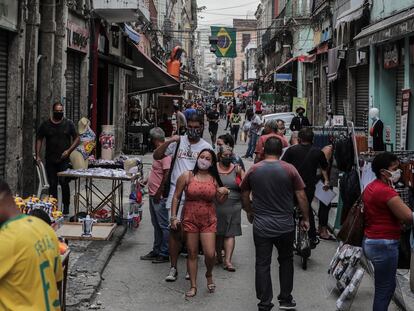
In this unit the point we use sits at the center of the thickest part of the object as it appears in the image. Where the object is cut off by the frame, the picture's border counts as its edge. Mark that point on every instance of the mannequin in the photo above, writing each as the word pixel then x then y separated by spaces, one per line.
pixel 79 157
pixel 151 115
pixel 377 130
pixel 135 109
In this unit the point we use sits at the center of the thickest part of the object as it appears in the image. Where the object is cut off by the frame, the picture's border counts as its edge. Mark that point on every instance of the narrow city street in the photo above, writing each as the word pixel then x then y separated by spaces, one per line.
pixel 132 284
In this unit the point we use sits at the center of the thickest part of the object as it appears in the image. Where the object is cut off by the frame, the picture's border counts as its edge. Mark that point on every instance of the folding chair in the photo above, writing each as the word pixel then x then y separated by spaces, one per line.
pixel 43 188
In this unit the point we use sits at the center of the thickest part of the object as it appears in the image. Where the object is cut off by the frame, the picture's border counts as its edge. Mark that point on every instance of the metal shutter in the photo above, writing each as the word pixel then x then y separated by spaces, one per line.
pixel 341 93
pixel 3 99
pixel 73 79
pixel 398 104
pixel 361 95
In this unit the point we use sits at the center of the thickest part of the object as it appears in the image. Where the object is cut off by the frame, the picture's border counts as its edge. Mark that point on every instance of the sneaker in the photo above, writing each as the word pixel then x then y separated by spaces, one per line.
pixel 287 305
pixel 187 276
pixel 172 276
pixel 161 259
pixel 150 256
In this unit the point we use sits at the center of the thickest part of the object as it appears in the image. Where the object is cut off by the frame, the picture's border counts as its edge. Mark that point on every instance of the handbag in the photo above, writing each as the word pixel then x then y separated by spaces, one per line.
pixel 167 185
pixel 352 230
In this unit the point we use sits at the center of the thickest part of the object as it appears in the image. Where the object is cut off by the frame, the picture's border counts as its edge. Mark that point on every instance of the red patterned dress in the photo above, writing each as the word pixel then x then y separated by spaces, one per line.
pixel 199 208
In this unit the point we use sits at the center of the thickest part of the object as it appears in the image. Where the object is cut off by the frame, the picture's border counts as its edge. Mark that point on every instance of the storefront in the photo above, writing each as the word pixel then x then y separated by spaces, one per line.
pixel 4 47
pixel 77 49
pixel 391 75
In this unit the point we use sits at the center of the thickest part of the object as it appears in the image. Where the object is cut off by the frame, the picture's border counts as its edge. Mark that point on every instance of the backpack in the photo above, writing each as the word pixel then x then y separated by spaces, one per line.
pixel 235 118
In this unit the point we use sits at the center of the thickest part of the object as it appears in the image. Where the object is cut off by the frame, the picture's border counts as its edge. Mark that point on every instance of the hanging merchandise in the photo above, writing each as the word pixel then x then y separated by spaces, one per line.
pixel 107 140
pixel 350 190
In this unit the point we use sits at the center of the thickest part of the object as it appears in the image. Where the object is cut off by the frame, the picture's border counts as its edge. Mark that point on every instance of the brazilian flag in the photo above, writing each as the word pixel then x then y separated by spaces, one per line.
pixel 226 45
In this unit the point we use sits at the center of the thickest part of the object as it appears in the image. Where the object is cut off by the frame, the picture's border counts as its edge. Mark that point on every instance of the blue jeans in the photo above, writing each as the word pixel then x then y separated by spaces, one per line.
pixel 384 256
pixel 252 145
pixel 159 220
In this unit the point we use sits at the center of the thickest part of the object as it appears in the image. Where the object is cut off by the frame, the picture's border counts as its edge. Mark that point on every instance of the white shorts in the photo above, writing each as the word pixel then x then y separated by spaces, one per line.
pixel 169 203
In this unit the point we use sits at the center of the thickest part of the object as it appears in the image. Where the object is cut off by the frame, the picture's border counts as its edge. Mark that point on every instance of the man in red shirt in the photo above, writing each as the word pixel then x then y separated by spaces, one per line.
pixel 271 127
pixel 258 105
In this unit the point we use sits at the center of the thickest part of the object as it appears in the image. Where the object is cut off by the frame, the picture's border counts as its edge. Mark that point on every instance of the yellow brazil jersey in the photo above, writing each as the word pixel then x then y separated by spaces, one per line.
pixel 30 265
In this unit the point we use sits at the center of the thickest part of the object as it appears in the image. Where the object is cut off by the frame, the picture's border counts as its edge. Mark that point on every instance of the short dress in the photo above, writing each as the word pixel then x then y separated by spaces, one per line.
pixel 229 212
pixel 199 208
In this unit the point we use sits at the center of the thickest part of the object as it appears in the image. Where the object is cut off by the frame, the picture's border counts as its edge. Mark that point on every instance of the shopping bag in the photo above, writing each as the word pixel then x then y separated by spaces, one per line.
pixel 352 230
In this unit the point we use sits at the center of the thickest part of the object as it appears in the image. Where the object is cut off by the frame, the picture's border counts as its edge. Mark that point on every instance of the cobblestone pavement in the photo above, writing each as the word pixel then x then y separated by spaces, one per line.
pixel 131 284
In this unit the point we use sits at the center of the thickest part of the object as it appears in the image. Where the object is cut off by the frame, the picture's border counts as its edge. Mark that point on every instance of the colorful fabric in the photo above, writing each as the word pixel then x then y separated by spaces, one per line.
pixel 87 143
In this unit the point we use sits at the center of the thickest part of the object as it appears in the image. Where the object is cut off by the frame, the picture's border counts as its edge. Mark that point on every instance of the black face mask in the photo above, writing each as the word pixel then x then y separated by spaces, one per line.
pixel 193 133
pixel 58 115
pixel 226 161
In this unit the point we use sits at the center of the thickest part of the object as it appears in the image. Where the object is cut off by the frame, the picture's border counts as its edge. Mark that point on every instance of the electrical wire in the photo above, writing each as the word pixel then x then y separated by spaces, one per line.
pixel 232 7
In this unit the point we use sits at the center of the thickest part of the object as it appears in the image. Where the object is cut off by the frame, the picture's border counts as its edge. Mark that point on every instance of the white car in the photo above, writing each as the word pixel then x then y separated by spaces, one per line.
pixel 285 116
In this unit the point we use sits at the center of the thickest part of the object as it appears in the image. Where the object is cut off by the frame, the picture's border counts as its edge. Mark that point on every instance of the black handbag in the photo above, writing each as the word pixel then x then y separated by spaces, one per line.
pixel 167 185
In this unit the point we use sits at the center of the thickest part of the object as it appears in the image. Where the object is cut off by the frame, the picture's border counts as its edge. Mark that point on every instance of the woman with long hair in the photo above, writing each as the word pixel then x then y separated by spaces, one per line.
pixel 202 188
pixel 229 212
pixel 384 211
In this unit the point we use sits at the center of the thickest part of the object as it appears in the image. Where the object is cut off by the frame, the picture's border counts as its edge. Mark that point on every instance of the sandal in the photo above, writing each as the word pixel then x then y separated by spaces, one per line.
pixel 210 286
pixel 192 292
pixel 229 268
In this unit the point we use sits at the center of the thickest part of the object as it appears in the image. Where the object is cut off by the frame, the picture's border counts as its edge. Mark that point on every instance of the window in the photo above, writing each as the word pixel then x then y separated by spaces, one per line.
pixel 245 41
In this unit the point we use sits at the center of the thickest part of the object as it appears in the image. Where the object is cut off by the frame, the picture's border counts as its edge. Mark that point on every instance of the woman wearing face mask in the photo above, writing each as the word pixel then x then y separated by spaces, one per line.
pixel 229 212
pixel 383 213
pixel 202 188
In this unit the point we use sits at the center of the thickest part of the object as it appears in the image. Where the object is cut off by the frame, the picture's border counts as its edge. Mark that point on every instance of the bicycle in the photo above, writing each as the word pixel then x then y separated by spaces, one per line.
pixel 301 244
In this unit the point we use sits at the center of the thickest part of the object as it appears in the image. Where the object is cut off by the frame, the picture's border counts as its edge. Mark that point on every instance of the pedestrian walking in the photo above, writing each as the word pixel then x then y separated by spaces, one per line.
pixel 227 139
pixel 300 120
pixel 254 130
pixel 235 121
pixel 159 214
pixel 61 140
pixel 271 129
pixel 202 186
pixel 213 118
pixel 184 151
pixel 222 110
pixel 230 107
pixel 246 124
pixel 31 266
pixel 229 212
pixel 384 211
pixel 181 121
pixel 273 225
pixel 307 159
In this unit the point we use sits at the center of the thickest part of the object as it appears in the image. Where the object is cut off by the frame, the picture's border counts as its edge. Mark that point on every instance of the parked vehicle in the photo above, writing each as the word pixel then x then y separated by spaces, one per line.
pixel 285 116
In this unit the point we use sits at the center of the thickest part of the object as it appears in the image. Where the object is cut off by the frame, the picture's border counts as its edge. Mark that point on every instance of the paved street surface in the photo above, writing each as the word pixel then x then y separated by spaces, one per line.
pixel 132 284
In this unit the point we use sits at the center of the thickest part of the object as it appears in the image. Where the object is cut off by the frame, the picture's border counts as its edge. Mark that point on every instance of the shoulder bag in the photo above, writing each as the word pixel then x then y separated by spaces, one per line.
pixel 167 185
pixel 352 230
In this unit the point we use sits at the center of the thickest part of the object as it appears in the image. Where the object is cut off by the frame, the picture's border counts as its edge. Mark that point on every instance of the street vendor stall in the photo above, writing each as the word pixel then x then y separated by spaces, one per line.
pixel 112 199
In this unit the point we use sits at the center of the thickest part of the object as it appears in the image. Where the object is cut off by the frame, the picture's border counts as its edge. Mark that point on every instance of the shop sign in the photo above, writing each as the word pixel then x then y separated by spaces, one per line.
pixel 9 14
pixel 77 37
pixel 283 77
pixel 338 120
pixel 227 94
pixel 388 134
pixel 391 56
pixel 299 102
pixel 406 95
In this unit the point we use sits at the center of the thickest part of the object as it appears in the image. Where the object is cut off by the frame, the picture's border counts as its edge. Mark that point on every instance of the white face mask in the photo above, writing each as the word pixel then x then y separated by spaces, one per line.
pixel 203 164
pixel 395 176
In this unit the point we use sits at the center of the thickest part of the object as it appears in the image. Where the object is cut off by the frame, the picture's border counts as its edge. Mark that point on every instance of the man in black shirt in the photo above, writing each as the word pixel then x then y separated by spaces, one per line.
pixel 213 120
pixel 61 139
pixel 307 159
pixel 299 120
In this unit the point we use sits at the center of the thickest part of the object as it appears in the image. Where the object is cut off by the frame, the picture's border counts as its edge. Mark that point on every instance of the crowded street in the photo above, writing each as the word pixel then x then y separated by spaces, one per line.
pixel 205 155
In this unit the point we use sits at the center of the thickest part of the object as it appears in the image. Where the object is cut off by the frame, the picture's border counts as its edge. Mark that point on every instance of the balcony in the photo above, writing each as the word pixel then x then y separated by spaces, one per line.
pixel 118 11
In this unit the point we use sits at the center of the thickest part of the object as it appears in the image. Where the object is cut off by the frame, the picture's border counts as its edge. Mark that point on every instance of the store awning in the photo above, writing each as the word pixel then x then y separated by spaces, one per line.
pixel 389 28
pixel 352 14
pixel 194 87
pixel 155 79
pixel 286 63
pixel 333 64
pixel 132 34
pixel 116 61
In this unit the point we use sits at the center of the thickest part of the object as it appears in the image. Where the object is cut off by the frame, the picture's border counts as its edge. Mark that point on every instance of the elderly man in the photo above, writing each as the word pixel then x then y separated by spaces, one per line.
pixel 272 130
pixel 159 213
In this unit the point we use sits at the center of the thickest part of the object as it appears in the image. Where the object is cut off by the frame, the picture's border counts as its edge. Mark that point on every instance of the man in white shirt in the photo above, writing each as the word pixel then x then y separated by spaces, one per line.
pixel 189 146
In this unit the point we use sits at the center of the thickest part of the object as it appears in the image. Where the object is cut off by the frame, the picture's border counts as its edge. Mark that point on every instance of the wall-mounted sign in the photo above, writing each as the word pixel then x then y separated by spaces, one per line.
pixel 406 95
pixel 77 37
pixel 338 120
pixel 388 134
pixel 227 94
pixel 283 77
pixel 8 14
pixel 391 56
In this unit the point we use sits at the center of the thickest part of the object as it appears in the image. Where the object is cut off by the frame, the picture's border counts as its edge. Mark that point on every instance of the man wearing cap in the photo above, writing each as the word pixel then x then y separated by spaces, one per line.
pixel 61 139
pixel 299 120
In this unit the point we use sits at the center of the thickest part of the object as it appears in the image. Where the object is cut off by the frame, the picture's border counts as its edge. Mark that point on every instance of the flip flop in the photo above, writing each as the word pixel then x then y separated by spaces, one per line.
pixel 331 238
pixel 229 268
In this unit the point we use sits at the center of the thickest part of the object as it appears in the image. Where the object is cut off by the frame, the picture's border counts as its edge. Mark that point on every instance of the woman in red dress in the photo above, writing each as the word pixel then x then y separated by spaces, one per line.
pixel 202 188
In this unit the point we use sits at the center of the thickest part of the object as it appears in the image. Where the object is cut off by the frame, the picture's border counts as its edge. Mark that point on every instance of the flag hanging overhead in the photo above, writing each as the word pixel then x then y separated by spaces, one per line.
pixel 226 45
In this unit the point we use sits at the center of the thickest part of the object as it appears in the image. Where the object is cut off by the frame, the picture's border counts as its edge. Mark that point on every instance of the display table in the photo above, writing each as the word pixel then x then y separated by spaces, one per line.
pixel 113 199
